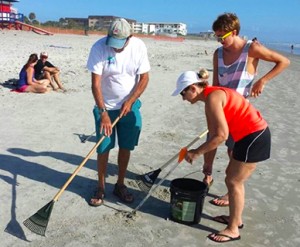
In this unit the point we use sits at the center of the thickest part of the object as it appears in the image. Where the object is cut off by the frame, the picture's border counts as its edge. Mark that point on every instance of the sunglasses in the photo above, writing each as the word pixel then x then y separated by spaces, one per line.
pixel 182 93
pixel 44 57
pixel 222 38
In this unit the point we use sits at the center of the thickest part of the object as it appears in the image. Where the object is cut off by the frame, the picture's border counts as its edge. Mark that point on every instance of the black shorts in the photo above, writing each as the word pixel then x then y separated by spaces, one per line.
pixel 40 77
pixel 253 148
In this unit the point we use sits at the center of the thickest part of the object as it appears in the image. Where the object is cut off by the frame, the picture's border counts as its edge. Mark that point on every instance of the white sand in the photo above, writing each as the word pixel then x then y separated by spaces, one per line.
pixel 40 147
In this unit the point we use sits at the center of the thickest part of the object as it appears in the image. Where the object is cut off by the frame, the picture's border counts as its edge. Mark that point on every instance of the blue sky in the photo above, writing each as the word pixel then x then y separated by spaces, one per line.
pixel 268 20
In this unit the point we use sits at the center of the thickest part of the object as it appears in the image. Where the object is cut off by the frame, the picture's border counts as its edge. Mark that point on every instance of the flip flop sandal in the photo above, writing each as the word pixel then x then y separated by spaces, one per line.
pixel 211 237
pixel 219 199
pixel 97 198
pixel 122 192
pixel 224 220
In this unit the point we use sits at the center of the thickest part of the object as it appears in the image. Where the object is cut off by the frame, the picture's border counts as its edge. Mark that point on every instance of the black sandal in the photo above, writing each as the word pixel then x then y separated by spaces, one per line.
pixel 122 192
pixel 97 198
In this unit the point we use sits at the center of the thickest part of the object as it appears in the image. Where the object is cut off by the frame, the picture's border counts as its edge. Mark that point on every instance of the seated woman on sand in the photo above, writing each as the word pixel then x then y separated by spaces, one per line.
pixel 27 82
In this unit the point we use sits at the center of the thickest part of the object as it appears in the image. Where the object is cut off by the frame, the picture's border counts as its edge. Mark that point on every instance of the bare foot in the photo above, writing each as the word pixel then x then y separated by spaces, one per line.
pixel 63 89
pixel 221 201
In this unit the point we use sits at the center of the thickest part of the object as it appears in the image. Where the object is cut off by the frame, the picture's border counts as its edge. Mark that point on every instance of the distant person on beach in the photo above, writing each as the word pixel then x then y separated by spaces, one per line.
pixel 292 48
pixel 27 81
pixel 119 67
pixel 228 112
pixel 235 66
pixel 46 70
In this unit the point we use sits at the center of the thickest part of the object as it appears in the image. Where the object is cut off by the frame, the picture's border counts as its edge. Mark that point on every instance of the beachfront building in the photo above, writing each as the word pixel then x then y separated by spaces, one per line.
pixel 8 14
pixel 207 35
pixel 177 28
pixel 102 22
pixel 143 28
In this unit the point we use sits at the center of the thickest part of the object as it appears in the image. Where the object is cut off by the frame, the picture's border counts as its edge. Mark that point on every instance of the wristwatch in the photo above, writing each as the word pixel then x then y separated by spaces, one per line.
pixel 101 110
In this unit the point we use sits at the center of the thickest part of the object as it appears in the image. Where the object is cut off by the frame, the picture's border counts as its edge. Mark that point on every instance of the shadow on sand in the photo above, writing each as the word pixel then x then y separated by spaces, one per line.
pixel 80 185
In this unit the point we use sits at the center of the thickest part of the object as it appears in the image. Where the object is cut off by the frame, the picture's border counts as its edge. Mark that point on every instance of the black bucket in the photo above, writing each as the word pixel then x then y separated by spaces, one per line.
pixel 187 199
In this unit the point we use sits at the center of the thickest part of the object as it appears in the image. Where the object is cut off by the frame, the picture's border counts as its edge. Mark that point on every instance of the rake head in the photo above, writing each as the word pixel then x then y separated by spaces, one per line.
pixel 83 138
pixel 146 181
pixel 38 222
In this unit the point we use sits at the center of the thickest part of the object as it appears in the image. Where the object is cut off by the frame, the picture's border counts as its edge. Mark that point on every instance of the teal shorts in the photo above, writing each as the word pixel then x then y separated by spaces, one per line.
pixel 127 129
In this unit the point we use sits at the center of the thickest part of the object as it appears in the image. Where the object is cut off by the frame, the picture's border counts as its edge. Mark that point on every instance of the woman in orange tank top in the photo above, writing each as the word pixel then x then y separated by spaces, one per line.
pixel 228 112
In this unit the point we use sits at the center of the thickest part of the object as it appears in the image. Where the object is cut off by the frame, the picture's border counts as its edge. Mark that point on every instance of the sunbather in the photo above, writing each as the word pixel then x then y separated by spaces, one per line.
pixel 27 82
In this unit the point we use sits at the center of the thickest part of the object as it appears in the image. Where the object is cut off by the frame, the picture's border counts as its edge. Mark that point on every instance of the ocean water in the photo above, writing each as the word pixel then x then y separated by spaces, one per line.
pixel 284 47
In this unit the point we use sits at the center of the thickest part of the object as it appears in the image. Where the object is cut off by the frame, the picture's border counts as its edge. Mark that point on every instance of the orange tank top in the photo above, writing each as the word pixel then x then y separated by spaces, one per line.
pixel 242 118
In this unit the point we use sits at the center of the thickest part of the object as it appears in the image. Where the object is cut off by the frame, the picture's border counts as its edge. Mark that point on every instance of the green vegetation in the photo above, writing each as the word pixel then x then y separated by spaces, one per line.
pixel 62 23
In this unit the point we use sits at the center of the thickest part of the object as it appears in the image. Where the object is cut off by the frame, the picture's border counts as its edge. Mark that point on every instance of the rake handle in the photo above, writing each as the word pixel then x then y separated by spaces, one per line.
pixel 189 145
pixel 82 164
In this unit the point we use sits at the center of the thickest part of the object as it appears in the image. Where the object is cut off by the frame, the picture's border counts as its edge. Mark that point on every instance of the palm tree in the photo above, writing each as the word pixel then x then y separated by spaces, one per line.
pixel 32 16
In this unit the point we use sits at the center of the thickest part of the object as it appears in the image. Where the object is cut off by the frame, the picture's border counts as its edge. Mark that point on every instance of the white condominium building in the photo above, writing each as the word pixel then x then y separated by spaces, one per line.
pixel 170 28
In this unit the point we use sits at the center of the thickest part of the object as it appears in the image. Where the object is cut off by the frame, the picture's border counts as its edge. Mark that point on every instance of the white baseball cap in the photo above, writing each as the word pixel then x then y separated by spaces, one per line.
pixel 184 80
pixel 44 54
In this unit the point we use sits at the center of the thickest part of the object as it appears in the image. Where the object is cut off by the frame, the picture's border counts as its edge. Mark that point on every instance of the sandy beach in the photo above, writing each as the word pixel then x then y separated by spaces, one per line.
pixel 40 147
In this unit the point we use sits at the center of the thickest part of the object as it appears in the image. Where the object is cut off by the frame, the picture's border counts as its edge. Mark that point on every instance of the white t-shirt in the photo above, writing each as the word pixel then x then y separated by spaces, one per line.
pixel 119 71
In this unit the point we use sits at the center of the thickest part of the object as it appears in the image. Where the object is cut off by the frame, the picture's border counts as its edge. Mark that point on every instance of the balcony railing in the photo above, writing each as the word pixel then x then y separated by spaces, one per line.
pixel 11 17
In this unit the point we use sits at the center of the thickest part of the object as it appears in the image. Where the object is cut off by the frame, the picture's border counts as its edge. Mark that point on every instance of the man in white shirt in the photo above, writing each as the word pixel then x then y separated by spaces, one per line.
pixel 120 73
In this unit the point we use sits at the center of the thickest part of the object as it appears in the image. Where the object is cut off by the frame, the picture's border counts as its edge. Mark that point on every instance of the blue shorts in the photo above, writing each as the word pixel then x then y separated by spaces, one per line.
pixel 127 129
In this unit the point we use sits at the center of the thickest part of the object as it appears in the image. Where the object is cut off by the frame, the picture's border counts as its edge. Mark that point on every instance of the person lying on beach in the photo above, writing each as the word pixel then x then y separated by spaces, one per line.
pixel 27 82
pixel 235 66
pixel 228 112
pixel 46 70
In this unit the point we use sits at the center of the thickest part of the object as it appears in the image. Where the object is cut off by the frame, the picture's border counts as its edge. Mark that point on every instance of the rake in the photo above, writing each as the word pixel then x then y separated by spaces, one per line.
pixel 181 156
pixel 38 222
pixel 146 181
pixel 84 139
